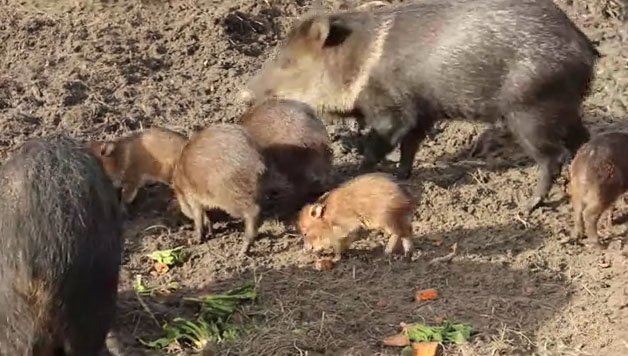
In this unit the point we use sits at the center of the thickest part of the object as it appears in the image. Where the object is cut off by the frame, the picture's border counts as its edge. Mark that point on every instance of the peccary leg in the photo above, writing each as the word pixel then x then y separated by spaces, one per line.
pixel 483 143
pixel 375 148
pixel 393 242
pixel 129 192
pixel 591 215
pixel 400 230
pixel 185 207
pixel 251 225
pixel 388 131
pixel 338 250
pixel 541 141
pixel 209 230
pixel 578 228
pixel 198 214
pixel 96 294
pixel 549 167
pixel 407 244
pixel 409 147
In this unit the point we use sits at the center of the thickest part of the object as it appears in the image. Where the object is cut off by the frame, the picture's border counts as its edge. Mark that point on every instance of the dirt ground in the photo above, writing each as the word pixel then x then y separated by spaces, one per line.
pixel 101 69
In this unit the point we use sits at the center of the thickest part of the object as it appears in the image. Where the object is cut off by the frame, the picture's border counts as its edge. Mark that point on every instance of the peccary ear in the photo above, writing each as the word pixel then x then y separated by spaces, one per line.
pixel 106 149
pixel 322 197
pixel 317 30
pixel 338 33
pixel 317 210
pixel 325 32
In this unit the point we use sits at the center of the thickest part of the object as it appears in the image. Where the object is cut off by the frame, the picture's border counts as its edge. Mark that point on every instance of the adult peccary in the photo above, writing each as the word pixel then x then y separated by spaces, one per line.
pixel 402 68
pixel 60 237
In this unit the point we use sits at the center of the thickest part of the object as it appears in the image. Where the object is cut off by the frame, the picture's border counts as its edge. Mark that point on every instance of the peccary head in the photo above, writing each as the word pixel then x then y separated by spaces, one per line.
pixel 314 227
pixel 105 152
pixel 325 61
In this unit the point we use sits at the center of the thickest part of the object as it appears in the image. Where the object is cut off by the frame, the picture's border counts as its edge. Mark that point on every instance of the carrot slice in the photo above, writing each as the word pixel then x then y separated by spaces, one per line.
pixel 426 294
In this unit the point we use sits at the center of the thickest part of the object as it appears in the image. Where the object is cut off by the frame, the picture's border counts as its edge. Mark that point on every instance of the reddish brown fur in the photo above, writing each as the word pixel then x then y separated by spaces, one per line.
pixel 371 201
pixel 220 168
pixel 39 297
pixel 141 157
pixel 599 175
pixel 294 141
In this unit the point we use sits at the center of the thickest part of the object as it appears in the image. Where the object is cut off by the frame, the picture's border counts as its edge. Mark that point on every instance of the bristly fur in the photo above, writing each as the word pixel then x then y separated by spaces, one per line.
pixel 61 235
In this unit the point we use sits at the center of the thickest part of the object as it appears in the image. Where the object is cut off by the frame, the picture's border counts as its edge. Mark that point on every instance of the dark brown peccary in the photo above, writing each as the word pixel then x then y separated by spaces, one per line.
pixel 138 158
pixel 60 228
pixel 402 68
pixel 220 168
pixel 295 143
pixel 371 201
pixel 599 175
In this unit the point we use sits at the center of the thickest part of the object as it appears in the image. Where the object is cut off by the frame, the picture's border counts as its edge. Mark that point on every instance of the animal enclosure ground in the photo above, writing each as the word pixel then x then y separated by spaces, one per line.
pixel 101 69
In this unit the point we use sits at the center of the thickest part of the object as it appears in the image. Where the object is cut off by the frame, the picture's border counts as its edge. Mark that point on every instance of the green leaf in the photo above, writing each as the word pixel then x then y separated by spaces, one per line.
pixel 157 344
pixel 168 257
pixel 448 332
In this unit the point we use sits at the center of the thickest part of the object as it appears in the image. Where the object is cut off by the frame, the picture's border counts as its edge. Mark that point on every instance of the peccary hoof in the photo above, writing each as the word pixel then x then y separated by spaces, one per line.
pixel 200 237
pixel 404 173
pixel 245 249
pixel 594 244
pixel 533 203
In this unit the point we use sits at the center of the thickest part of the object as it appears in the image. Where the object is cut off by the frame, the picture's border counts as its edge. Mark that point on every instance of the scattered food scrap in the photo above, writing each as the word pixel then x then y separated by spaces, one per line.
pixel 426 349
pixel 165 259
pixel 212 323
pixel 426 294
pixel 323 265
pixel 420 340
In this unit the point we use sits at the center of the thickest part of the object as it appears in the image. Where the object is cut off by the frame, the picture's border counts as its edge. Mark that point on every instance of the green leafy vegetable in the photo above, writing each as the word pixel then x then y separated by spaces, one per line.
pixel 212 322
pixel 169 257
pixel 448 332
pixel 197 333
pixel 217 306
pixel 141 289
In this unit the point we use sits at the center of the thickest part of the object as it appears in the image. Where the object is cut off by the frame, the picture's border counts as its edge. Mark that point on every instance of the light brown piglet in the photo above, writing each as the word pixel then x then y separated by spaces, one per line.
pixel 599 175
pixel 371 201
pixel 139 158
pixel 220 168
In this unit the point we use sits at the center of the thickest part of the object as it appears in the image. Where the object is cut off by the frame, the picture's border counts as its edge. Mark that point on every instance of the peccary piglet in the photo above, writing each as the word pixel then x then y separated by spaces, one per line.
pixel 402 68
pixel 599 175
pixel 294 142
pixel 61 250
pixel 220 168
pixel 370 201
pixel 140 158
